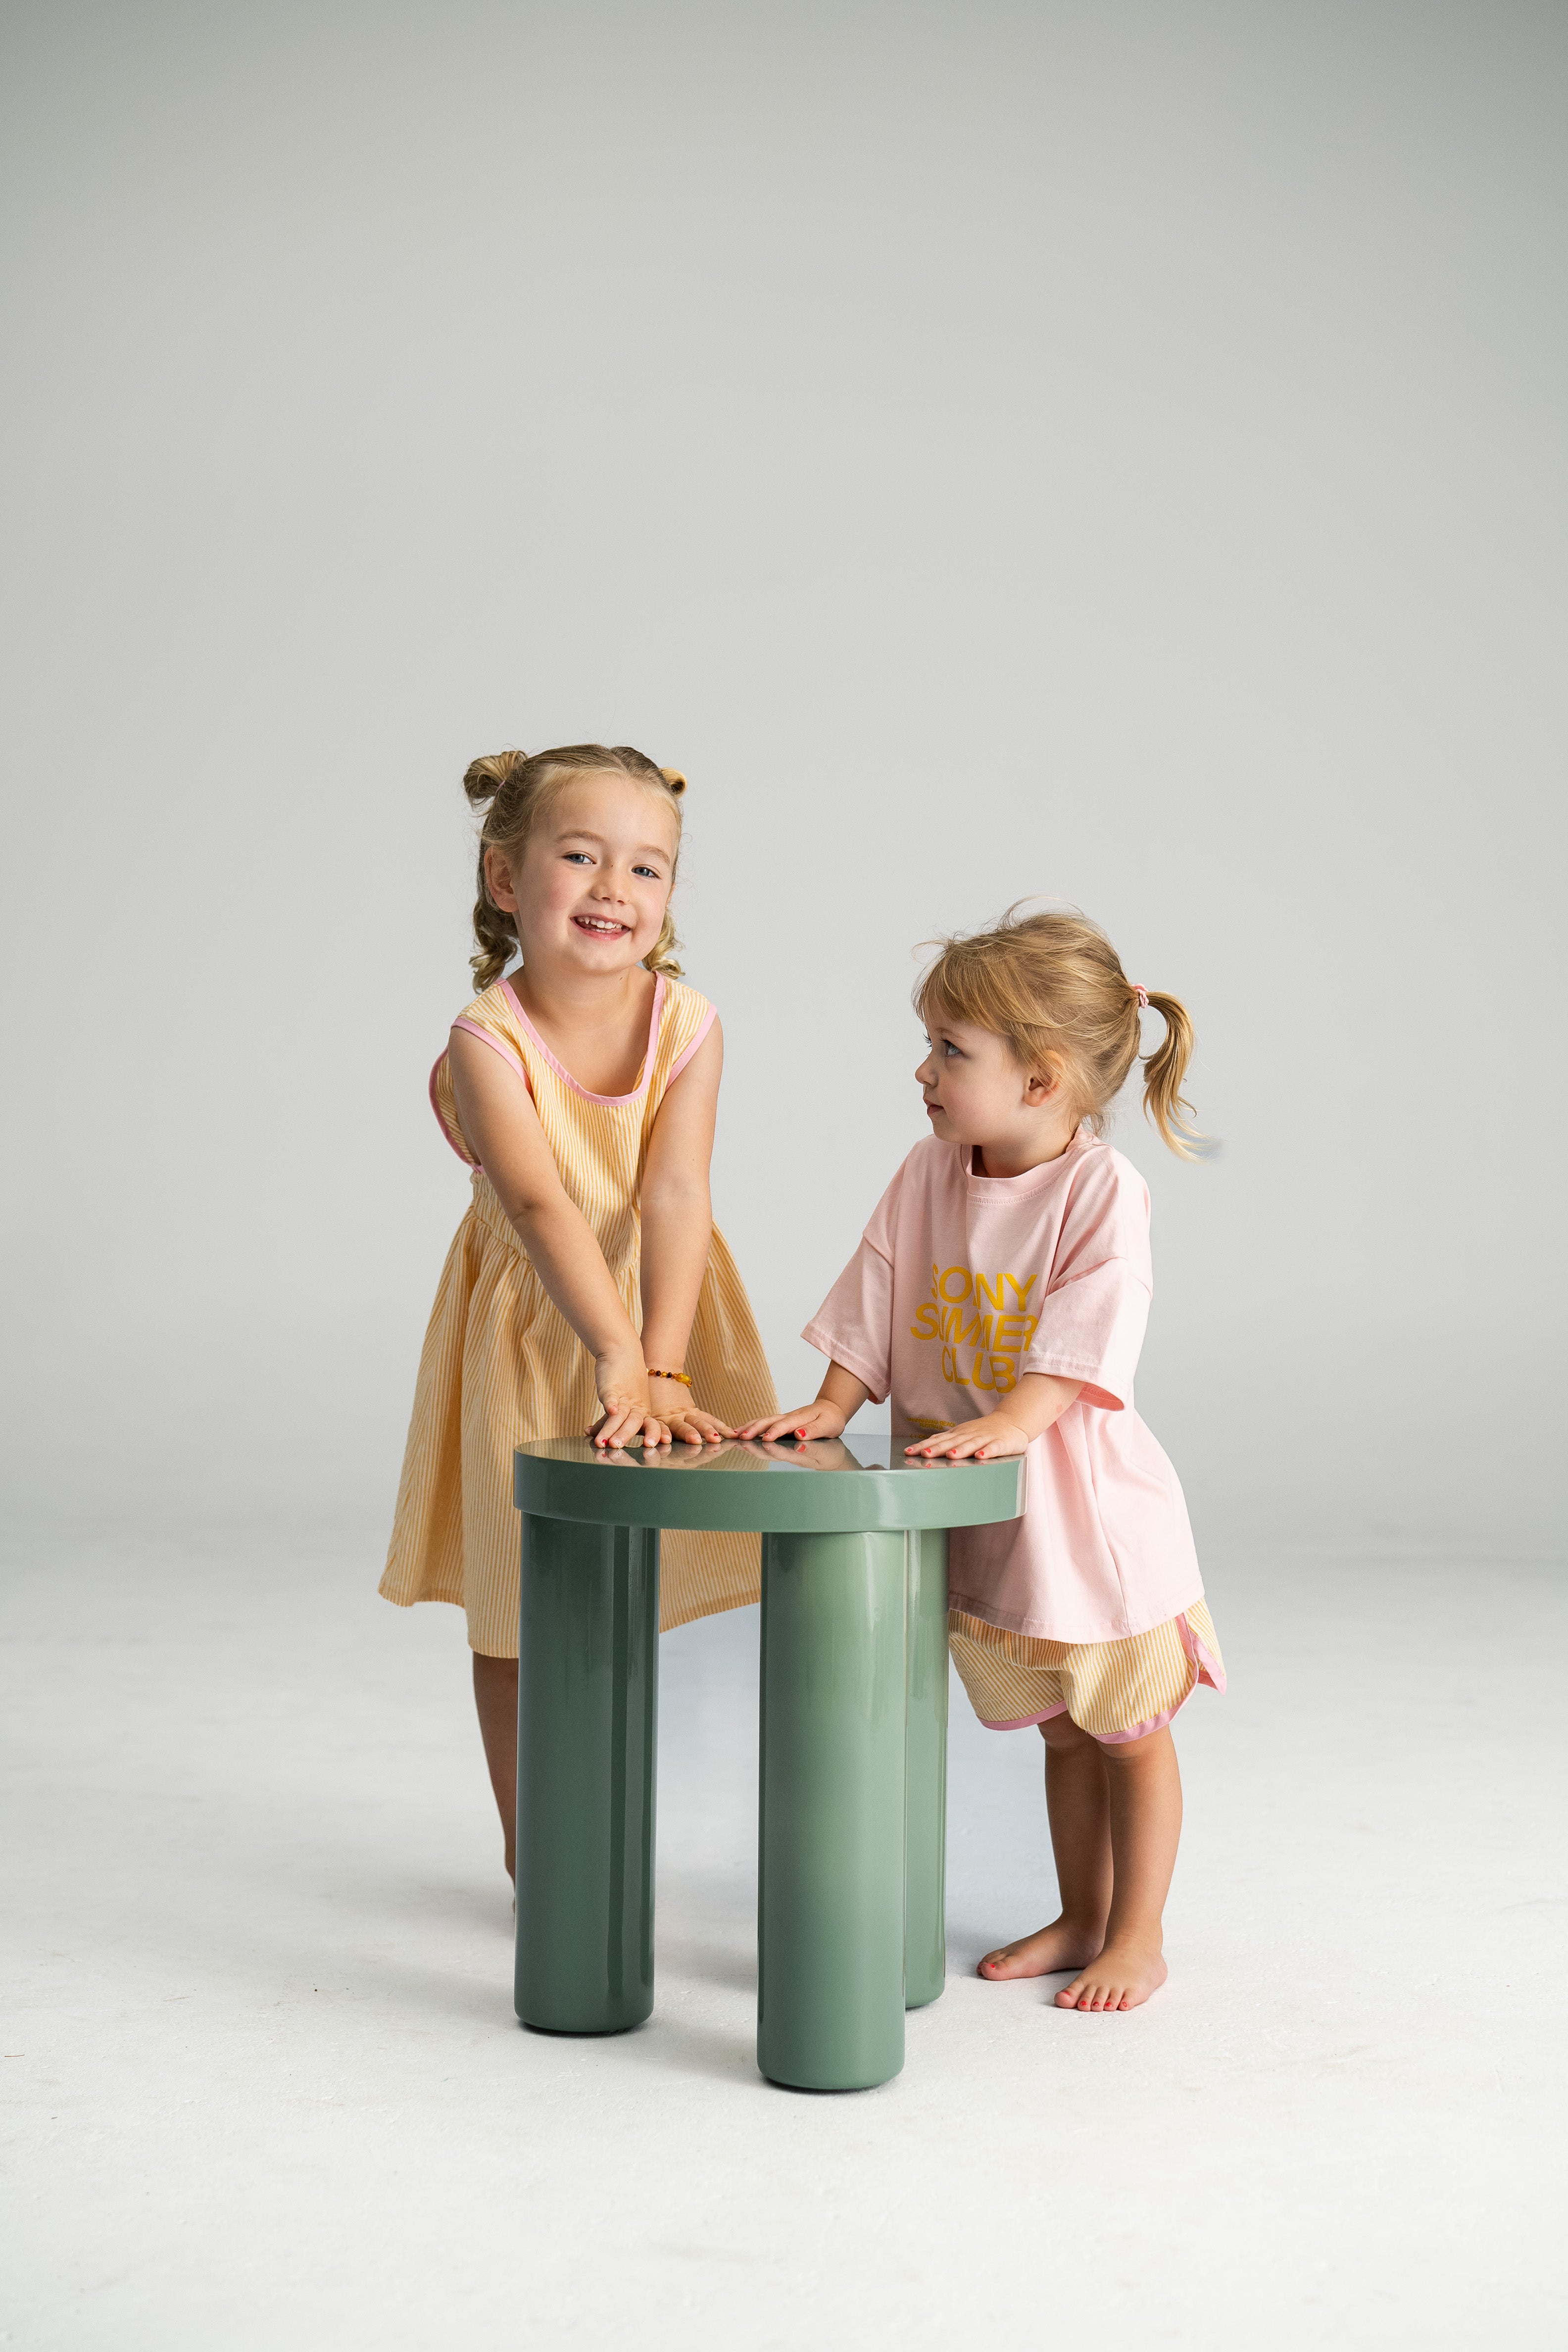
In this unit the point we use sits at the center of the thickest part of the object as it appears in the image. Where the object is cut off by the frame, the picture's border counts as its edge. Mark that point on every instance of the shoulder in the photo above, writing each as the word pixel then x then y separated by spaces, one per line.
pixel 1107 1204
pixel 495 1009
pixel 686 1012
pixel 931 1167
pixel 495 1019
pixel 1102 1179
pixel 685 1020
pixel 932 1170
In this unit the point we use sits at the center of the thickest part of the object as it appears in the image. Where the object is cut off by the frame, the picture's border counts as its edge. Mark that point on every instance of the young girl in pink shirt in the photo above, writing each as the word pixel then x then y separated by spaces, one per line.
pixel 1000 1296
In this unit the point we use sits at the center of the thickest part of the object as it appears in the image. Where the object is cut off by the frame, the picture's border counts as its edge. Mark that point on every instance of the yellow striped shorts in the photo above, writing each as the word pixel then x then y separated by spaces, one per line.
pixel 1113 1690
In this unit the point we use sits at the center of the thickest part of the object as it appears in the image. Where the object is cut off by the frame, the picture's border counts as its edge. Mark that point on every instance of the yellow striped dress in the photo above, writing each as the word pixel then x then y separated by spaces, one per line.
pixel 501 1365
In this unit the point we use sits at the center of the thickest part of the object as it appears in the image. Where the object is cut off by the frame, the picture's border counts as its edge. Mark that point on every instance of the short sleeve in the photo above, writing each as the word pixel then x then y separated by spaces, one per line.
pixel 1096 1308
pixel 854 1324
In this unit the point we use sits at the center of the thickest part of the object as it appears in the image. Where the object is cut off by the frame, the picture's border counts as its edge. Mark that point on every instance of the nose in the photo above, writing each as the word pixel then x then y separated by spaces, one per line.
pixel 926 1074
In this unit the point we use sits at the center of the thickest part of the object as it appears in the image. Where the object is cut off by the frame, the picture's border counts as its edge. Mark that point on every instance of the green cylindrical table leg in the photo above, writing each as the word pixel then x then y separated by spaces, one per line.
pixel 830 1929
pixel 587 1699
pixel 925 1817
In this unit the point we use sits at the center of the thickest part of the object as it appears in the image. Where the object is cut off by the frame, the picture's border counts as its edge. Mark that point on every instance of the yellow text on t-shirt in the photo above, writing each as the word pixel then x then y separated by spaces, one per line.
pixel 968 1314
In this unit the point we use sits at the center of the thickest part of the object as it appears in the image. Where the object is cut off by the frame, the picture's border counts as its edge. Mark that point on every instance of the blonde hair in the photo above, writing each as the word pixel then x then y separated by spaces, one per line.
pixel 1053 986
pixel 515 793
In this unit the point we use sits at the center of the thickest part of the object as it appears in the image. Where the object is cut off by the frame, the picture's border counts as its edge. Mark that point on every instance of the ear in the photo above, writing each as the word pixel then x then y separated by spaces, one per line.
pixel 1042 1087
pixel 498 881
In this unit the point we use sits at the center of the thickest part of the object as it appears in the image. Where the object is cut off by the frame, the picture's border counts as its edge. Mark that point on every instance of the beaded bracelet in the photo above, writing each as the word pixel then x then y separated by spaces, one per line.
pixel 684 1378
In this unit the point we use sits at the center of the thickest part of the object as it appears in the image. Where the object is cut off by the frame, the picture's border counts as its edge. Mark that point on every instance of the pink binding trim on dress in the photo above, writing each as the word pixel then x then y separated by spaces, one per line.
pixel 565 1076
pixel 446 1130
pixel 709 1018
pixel 496 1046
pixel 487 1037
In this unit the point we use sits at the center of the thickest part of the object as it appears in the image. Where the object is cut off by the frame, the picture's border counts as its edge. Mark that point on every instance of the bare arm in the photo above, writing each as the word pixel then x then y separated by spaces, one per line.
pixel 677 1229
pixel 501 1128
pixel 1038 1400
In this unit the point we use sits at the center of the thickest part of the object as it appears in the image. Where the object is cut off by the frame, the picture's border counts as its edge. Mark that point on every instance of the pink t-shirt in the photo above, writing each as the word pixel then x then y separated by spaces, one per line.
pixel 961 1284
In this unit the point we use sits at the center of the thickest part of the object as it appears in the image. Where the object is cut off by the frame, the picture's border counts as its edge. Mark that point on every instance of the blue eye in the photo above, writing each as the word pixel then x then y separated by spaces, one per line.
pixel 578 858
pixel 651 872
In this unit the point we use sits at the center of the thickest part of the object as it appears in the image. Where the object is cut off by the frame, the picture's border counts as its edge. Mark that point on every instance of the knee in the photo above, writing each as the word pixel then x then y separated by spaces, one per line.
pixel 1135 1755
pixel 494 1674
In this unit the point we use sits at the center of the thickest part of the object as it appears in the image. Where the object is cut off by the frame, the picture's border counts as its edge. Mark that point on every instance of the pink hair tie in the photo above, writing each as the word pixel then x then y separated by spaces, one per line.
pixel 1142 996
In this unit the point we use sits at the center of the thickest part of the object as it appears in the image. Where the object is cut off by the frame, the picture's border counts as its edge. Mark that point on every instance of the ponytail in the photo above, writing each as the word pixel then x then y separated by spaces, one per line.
pixel 495 931
pixel 1164 1071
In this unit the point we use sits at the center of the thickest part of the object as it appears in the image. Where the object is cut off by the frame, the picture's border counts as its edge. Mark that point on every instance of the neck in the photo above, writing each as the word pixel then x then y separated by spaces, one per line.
pixel 589 999
pixel 1016 1155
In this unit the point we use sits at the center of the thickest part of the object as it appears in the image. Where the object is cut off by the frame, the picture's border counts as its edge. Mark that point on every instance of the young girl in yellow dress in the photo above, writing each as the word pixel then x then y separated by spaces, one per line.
pixel 588 1290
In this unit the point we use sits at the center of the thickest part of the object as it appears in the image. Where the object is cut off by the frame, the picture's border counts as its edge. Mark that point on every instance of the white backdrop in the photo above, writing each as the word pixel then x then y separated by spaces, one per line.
pixel 1105 450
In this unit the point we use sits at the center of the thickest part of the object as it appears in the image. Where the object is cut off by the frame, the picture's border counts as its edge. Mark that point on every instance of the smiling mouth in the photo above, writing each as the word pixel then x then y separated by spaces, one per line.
pixel 599 927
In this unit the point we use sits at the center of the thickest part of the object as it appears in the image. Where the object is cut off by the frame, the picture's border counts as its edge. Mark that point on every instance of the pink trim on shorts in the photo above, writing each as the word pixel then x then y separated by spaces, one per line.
pixel 1024 1722
pixel 564 1074
pixel 681 1059
pixel 1141 1730
pixel 1209 1670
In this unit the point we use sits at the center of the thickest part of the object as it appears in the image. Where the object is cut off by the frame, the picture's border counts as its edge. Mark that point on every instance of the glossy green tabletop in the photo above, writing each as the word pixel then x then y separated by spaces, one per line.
pixel 829 1486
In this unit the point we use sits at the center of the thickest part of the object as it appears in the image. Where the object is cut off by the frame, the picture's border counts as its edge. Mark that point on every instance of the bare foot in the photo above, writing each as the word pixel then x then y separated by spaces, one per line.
pixel 1061 1946
pixel 1118 1978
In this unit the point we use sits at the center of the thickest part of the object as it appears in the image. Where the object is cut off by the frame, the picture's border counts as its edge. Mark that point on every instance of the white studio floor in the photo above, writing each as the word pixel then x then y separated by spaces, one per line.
pixel 265 2089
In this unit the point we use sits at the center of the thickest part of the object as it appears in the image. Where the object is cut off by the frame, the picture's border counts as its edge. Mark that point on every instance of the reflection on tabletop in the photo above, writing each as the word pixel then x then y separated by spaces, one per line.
pixel 876 1451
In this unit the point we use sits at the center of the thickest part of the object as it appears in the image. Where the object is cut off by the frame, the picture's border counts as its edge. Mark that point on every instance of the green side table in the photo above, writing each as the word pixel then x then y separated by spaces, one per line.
pixel 854 1732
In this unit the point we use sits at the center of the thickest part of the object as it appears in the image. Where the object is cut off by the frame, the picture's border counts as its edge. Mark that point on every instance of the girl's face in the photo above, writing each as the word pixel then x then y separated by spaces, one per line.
pixel 977 1092
pixel 595 877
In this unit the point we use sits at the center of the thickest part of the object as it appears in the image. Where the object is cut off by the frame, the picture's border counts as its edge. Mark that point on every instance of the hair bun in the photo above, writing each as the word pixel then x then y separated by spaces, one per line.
pixel 675 780
pixel 483 779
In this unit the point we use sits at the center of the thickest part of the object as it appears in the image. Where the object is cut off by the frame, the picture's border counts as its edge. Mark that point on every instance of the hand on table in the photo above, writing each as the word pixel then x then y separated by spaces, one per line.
pixel 818 1420
pixel 985 1440
pixel 672 1400
pixel 627 1414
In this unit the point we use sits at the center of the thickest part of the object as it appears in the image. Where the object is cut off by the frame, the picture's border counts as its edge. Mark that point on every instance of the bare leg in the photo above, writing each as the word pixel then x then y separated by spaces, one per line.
pixel 1146 1788
pixel 495 1696
pixel 1077 1802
